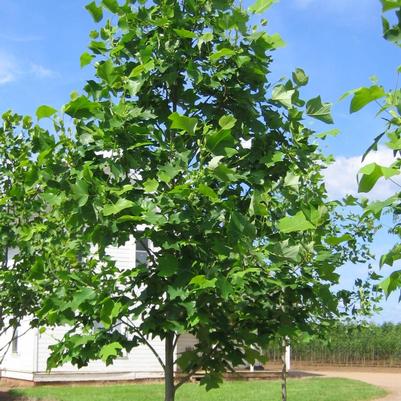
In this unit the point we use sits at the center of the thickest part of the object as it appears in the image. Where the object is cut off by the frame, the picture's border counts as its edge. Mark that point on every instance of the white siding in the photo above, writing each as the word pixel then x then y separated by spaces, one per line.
pixel 186 342
pixel 31 361
pixel 139 363
pixel 20 364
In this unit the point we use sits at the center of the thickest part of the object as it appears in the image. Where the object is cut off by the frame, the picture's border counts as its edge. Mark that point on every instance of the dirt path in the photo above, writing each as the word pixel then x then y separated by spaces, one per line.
pixel 389 381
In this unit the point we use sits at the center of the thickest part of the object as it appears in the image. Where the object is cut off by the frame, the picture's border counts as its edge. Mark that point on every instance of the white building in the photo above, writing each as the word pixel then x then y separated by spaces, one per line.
pixel 27 355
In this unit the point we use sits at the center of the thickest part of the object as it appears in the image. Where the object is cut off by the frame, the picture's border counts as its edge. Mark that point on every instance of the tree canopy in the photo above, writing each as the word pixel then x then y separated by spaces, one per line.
pixel 180 139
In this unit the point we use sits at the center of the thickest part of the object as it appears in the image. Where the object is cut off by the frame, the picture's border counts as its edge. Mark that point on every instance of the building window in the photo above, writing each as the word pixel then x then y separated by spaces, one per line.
pixel 141 255
pixel 14 342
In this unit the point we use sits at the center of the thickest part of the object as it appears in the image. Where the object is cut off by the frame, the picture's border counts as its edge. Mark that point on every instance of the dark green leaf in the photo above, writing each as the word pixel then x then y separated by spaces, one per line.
pixel 168 265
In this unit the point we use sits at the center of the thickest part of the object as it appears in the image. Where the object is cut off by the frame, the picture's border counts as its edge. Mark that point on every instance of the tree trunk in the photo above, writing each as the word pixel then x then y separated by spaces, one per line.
pixel 169 387
pixel 284 373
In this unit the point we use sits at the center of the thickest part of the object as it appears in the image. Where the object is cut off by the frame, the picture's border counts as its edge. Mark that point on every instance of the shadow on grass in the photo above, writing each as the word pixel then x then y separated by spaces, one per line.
pixel 12 395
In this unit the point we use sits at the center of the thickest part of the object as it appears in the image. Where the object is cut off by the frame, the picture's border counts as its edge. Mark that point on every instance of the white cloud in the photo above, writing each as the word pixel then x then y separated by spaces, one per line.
pixel 341 176
pixel 11 69
pixel 8 69
pixel 42 72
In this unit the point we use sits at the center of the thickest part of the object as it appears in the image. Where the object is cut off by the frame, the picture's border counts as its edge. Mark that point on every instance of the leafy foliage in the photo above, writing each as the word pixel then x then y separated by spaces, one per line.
pixel 179 138
pixel 390 109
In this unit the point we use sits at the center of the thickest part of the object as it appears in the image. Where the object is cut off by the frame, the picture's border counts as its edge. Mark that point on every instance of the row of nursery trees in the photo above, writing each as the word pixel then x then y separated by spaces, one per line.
pixel 346 344
pixel 180 137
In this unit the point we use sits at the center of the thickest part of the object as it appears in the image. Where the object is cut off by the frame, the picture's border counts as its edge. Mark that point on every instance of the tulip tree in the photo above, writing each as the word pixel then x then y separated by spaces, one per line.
pixel 180 139
pixel 390 110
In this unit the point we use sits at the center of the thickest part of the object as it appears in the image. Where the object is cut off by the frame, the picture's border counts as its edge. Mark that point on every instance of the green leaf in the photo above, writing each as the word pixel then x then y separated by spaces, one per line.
pixel 167 173
pixel 227 122
pixel 52 199
pixel 45 112
pixel 81 296
pixel 167 265
pixel 111 5
pixel 332 132
pixel 81 107
pixel 110 310
pixel 377 207
pixel 299 77
pixel 391 283
pixel 391 256
pixel 116 208
pixel 180 122
pixel 321 111
pixel 95 11
pixel 85 59
pixel 339 240
pixel 110 351
pixel 215 162
pixel 202 282
pixel 371 174
pixel 241 225
pixel 292 180
pixel 275 41
pixel 80 191
pixel 292 252
pixel 282 95
pixel 139 69
pixel 216 142
pixel 295 223
pixel 261 6
pixel 150 185
pixel 390 4
pixel 209 192
pixel 183 33
pixel 38 269
pixel 107 72
pixel 205 38
pixel 364 96
pixel 222 53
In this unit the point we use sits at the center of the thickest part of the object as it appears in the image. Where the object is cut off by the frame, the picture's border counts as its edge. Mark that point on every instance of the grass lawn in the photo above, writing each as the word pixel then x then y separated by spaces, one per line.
pixel 314 389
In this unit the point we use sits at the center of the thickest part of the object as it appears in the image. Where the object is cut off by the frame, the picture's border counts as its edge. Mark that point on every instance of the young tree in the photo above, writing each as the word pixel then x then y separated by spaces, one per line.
pixel 181 139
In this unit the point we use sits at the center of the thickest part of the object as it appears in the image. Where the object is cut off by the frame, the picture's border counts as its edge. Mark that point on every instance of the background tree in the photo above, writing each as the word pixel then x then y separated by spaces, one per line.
pixel 181 139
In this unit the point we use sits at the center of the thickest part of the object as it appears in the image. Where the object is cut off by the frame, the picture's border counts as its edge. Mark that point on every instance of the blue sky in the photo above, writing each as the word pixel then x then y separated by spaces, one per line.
pixel 337 42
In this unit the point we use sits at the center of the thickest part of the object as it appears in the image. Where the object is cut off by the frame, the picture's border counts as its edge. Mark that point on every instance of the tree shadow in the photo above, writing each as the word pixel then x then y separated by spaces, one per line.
pixel 13 395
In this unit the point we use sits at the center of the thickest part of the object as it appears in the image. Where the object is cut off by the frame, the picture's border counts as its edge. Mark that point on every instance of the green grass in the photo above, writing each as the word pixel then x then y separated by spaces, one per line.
pixel 314 389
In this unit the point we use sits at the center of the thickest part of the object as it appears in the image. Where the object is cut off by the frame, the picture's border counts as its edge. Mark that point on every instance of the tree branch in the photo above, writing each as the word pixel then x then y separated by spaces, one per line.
pixel 145 340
